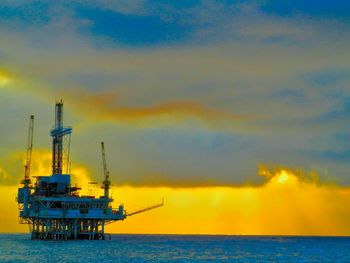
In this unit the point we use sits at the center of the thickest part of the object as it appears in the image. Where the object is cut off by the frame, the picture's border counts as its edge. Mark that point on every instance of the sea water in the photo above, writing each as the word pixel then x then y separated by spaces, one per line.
pixel 177 248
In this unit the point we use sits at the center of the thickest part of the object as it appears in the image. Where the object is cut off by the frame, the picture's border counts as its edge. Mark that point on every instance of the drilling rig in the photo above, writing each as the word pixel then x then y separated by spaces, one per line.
pixel 52 207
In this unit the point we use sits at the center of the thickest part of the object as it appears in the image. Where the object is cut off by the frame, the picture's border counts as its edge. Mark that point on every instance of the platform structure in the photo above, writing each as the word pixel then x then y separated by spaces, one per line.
pixel 53 208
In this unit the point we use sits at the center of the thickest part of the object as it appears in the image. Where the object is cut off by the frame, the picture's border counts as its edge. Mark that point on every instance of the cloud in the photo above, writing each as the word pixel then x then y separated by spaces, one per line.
pixel 107 108
pixel 250 86
pixel 40 166
pixel 134 7
pixel 285 205
pixel 246 85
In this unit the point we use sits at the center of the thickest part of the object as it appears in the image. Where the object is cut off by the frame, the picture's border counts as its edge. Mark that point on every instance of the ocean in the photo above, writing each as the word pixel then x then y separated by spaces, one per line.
pixel 177 248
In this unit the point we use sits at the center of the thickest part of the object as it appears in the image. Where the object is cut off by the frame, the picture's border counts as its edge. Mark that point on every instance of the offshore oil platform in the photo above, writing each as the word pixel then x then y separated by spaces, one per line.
pixel 53 208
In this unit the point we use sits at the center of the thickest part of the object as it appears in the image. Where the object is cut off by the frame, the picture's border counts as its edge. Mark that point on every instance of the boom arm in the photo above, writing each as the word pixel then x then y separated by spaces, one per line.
pixel 146 209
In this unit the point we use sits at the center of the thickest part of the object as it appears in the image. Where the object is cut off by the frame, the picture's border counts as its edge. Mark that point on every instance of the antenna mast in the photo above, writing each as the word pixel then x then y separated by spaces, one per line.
pixel 106 182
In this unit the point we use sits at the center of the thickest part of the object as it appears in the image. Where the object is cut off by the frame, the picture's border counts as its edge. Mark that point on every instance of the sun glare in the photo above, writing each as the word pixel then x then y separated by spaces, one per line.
pixel 4 80
pixel 283 177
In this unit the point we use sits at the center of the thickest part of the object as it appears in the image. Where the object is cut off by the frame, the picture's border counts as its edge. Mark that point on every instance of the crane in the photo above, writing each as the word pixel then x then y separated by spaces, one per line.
pixel 26 180
pixel 106 182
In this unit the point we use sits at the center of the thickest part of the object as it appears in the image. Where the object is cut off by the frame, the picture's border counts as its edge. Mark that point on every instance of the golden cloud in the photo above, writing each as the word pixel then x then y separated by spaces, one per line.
pixel 104 106
pixel 285 205
pixel 288 203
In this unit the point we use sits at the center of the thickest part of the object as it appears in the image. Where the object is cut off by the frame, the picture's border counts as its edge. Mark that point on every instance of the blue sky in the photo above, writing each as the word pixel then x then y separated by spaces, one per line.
pixel 184 93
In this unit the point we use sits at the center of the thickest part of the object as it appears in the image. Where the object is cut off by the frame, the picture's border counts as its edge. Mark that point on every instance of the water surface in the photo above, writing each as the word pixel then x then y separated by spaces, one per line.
pixel 177 248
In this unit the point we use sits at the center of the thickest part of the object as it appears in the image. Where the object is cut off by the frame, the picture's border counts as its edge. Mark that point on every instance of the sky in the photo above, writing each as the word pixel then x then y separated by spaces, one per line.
pixel 236 112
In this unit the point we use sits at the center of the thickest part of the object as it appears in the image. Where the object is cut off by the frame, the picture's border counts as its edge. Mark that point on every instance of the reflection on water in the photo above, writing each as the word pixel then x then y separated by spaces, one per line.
pixel 171 248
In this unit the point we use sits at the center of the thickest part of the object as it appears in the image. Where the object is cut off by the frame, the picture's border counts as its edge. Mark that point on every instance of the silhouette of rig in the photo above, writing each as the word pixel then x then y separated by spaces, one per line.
pixel 52 207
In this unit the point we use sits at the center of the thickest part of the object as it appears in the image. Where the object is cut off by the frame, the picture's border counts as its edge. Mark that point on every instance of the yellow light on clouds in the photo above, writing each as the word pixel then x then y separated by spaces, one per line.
pixel 283 178
pixel 4 79
pixel 287 204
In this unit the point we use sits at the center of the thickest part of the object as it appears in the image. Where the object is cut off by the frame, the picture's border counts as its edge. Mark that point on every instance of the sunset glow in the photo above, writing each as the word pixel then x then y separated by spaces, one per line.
pixel 284 204
pixel 237 113
pixel 3 79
